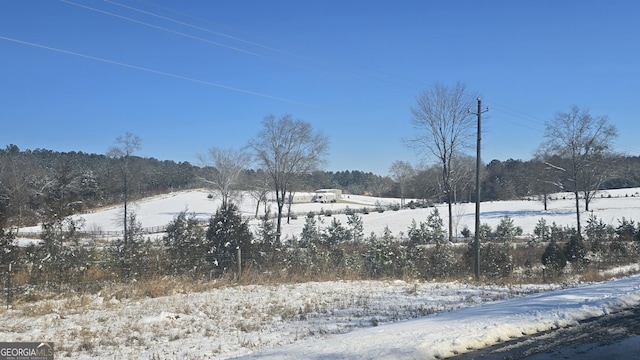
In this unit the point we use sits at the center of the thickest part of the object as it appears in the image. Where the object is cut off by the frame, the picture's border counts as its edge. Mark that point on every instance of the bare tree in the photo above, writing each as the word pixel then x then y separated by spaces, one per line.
pixel 444 128
pixel 223 169
pixel 581 139
pixel 287 149
pixel 401 172
pixel 543 179
pixel 599 169
pixel 462 175
pixel 425 183
pixel 259 188
pixel 124 149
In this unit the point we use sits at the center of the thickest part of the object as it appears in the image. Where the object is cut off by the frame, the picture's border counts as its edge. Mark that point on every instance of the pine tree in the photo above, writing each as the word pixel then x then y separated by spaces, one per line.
pixel 185 244
pixel 335 233
pixel 541 233
pixel 130 253
pixel 310 233
pixel 507 230
pixel 227 233
pixel 553 259
pixel 357 227
pixel 576 253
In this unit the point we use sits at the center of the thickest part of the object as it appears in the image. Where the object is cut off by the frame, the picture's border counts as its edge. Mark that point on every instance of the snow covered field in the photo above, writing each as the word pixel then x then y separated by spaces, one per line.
pixel 339 319
pixel 610 206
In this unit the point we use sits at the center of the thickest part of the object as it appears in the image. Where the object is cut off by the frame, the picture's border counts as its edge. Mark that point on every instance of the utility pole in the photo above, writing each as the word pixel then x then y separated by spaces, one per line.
pixel 476 244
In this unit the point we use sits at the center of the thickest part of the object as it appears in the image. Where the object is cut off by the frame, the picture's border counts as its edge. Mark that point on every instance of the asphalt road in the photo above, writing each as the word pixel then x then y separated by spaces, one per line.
pixel 614 336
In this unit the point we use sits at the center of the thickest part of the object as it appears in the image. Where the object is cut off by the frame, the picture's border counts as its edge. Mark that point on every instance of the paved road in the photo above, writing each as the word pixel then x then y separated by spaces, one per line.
pixel 614 336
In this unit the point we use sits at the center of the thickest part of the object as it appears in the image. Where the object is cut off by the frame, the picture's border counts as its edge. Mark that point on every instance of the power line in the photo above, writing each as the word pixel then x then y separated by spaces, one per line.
pixel 234 48
pixel 158 72
pixel 163 28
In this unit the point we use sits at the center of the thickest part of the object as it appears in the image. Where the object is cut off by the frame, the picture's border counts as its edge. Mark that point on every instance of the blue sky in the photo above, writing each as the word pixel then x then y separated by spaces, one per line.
pixel 189 75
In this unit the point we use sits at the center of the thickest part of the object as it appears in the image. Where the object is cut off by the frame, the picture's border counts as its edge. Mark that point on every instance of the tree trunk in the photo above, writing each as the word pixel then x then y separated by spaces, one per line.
pixel 578 213
pixel 280 200
pixel 450 217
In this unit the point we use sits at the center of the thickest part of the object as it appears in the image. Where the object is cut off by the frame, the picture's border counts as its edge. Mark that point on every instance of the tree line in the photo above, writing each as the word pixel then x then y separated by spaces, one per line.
pixel 27 175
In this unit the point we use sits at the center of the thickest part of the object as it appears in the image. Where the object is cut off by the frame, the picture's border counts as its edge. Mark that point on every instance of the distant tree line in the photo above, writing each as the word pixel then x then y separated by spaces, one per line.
pixel 28 179
pixel 91 180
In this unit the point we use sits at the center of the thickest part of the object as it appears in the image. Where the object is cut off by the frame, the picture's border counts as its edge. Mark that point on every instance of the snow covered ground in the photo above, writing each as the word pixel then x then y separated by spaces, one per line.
pixel 610 206
pixel 449 333
pixel 325 320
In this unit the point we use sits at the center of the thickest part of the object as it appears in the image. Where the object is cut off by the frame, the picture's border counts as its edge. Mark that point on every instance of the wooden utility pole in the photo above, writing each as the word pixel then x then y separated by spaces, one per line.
pixel 476 244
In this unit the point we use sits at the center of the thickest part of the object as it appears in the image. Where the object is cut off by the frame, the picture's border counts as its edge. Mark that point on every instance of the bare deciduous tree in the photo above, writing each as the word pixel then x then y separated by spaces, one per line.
pixel 581 139
pixel 259 189
pixel 401 172
pixel 444 128
pixel 223 169
pixel 462 175
pixel 287 149
pixel 124 149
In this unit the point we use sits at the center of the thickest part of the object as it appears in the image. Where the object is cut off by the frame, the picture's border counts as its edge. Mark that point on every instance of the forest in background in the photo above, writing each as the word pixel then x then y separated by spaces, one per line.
pixel 29 179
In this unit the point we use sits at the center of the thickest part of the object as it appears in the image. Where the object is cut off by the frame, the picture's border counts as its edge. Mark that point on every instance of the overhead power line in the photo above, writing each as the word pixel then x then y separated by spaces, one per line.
pixel 235 48
pixel 158 72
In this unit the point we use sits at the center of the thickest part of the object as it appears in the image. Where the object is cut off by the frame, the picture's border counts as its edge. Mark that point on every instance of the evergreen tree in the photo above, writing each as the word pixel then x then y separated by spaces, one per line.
pixel 335 233
pixel 576 253
pixel 357 228
pixel 435 227
pixel 541 233
pixel 310 233
pixel 185 244
pixel 130 253
pixel 553 259
pixel 507 230
pixel 227 233
pixel 597 233
pixel 384 256
pixel 417 234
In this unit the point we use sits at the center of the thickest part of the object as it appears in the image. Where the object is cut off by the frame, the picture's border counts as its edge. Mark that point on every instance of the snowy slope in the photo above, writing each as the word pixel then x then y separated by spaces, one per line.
pixel 158 211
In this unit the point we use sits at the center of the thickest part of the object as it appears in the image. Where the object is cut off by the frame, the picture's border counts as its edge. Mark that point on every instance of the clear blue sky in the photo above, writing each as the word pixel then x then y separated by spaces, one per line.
pixel 189 75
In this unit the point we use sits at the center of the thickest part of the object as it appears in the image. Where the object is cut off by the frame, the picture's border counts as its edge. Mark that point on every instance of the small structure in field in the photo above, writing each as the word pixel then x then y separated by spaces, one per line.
pixel 327 195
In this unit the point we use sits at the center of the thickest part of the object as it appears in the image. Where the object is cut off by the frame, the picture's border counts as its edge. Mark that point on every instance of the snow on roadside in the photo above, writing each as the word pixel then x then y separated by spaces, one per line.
pixel 234 320
pixel 447 334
